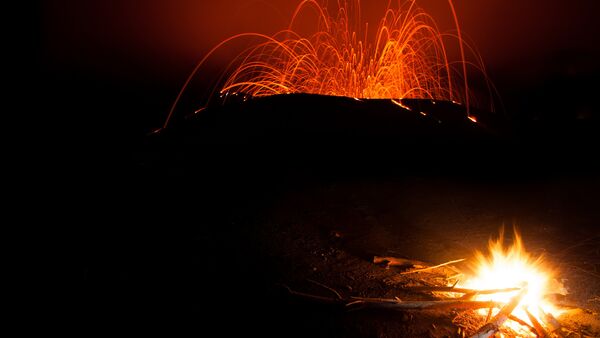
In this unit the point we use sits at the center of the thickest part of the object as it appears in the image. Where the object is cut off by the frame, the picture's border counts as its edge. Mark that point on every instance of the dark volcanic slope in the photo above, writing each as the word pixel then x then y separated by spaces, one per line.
pixel 429 135
pixel 310 119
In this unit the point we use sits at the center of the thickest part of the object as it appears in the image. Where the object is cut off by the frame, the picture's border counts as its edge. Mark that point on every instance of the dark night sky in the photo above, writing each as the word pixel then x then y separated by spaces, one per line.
pixel 146 49
pixel 510 35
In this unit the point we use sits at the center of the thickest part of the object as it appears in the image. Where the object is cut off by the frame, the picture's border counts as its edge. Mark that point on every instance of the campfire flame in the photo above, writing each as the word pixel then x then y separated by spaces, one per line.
pixel 510 267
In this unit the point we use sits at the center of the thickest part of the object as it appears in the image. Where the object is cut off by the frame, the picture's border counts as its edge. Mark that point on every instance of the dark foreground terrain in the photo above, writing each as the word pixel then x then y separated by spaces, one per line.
pixel 211 218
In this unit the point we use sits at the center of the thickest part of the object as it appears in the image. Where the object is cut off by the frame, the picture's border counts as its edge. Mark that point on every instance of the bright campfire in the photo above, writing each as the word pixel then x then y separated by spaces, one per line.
pixel 513 267
pixel 508 293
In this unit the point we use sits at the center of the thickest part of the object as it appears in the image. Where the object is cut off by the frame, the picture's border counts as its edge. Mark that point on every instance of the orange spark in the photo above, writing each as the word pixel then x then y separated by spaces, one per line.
pixel 406 58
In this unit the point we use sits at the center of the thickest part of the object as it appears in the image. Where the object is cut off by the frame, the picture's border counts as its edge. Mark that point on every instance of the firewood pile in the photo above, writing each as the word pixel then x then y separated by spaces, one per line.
pixel 472 317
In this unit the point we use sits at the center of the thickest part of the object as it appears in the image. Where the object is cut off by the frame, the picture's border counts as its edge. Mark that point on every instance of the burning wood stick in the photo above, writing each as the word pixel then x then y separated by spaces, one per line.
pixel 553 324
pixel 460 290
pixel 393 304
pixel 541 332
pixel 522 323
pixel 489 314
pixel 433 267
pixel 490 328
pixel 395 261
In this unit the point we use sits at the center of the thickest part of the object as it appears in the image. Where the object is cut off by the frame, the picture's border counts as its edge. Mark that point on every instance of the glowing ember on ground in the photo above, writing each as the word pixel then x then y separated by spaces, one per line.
pixel 509 267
